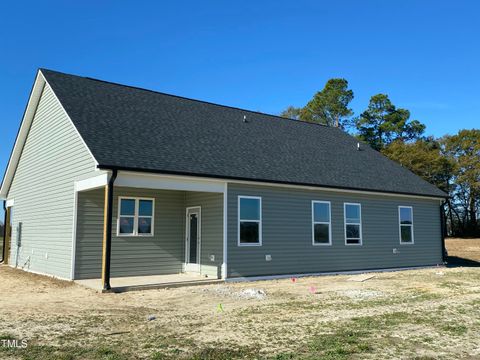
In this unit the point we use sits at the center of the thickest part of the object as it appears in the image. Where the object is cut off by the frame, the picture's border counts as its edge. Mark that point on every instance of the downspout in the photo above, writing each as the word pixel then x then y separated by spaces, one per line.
pixel 443 230
pixel 108 240
pixel 4 230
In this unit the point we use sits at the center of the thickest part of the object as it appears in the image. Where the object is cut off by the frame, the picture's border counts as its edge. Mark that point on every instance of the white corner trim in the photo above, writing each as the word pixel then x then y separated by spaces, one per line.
pixel 74 235
pixel 92 182
pixel 225 232
pixel 10 202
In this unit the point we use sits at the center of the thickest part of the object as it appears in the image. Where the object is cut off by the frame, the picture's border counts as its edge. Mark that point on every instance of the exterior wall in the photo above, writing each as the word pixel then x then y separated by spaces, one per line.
pixel 212 230
pixel 163 253
pixel 287 233
pixel 53 157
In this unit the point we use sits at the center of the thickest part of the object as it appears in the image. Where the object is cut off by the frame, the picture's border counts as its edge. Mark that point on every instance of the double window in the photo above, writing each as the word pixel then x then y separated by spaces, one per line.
pixel 249 220
pixel 405 219
pixel 321 223
pixel 135 216
pixel 353 223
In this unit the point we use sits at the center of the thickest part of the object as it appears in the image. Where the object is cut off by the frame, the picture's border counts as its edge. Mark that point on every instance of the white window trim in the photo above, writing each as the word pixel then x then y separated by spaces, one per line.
pixel 350 223
pixel 257 221
pixel 329 223
pixel 400 226
pixel 135 216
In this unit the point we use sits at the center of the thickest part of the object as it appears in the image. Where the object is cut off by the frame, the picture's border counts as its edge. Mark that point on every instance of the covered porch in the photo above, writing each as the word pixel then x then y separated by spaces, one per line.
pixel 137 231
pixel 133 283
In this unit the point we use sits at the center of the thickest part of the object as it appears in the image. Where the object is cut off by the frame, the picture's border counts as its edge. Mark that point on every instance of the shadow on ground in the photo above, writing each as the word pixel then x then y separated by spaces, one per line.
pixel 455 261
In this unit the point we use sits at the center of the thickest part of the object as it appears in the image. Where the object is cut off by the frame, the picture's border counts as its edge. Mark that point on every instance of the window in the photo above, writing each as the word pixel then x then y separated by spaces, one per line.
pixel 249 221
pixel 353 224
pixel 405 218
pixel 135 217
pixel 321 223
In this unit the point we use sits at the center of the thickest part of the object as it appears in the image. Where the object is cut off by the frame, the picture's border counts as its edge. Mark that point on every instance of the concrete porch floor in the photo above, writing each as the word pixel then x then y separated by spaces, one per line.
pixel 131 283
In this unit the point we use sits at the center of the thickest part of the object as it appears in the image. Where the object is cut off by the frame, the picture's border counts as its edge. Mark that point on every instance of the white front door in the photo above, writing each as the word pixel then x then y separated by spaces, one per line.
pixel 193 239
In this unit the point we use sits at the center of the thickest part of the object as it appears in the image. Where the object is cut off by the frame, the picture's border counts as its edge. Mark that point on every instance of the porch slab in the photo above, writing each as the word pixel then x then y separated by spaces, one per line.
pixel 133 283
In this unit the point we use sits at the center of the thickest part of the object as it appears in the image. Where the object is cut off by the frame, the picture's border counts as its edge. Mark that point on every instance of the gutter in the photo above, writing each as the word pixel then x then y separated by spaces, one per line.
pixel 4 230
pixel 108 231
pixel 267 182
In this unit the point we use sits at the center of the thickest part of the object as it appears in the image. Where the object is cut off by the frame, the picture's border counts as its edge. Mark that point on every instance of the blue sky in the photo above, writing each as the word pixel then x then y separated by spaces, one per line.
pixel 258 55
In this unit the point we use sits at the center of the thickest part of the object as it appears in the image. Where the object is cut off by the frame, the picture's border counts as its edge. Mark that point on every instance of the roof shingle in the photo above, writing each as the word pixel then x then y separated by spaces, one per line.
pixel 138 129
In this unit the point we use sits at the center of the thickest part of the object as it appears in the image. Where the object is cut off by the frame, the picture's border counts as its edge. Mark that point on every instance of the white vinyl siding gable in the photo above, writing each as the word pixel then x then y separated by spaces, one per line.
pixel 52 158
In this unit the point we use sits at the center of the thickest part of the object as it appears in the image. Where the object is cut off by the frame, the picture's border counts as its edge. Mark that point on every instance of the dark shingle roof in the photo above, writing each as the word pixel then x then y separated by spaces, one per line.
pixel 134 128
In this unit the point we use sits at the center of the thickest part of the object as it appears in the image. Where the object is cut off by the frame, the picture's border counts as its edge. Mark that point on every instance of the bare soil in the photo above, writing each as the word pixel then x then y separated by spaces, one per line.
pixel 429 314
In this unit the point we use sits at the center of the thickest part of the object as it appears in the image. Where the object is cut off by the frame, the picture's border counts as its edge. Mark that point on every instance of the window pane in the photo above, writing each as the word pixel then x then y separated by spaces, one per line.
pixel 406 232
pixel 249 232
pixel 321 234
pixel 353 241
pixel 127 207
pixel 126 225
pixel 352 213
pixel 321 212
pixel 249 209
pixel 144 225
pixel 353 231
pixel 145 208
pixel 406 216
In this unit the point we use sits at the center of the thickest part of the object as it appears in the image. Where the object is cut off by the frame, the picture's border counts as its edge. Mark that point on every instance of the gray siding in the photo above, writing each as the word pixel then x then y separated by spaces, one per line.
pixel 164 253
pixel 287 233
pixel 43 190
pixel 212 229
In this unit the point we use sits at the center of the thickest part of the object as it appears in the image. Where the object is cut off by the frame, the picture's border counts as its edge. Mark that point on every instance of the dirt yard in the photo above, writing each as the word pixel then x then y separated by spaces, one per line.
pixel 423 314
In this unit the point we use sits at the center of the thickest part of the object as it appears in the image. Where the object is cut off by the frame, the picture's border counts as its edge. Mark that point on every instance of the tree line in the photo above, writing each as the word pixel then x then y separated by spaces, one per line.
pixel 451 162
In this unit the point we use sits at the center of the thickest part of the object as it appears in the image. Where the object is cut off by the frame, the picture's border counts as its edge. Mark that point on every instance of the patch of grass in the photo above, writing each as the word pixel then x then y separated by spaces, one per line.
pixel 339 345
pixel 454 329
pixel 33 352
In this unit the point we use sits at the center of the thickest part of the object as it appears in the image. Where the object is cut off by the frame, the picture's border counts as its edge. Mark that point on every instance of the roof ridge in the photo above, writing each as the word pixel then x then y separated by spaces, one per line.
pixel 187 98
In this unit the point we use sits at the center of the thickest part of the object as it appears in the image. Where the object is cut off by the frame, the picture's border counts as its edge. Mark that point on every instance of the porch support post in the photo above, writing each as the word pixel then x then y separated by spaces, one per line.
pixel 107 232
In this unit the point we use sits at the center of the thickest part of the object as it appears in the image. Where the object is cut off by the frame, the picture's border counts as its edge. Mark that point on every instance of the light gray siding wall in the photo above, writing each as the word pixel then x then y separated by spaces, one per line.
pixel 43 190
pixel 164 253
pixel 212 229
pixel 89 234
pixel 287 233
pixel 156 255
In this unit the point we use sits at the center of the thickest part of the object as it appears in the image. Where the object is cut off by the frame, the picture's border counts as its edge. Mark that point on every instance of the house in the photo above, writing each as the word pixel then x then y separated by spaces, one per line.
pixel 108 181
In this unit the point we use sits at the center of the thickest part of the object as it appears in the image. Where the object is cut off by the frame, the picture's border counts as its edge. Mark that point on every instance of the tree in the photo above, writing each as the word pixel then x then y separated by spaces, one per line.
pixel 328 106
pixel 382 123
pixel 291 113
pixel 464 150
pixel 424 157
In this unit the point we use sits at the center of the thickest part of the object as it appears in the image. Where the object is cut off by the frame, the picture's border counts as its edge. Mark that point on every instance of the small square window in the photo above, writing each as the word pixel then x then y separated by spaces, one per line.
pixel 135 217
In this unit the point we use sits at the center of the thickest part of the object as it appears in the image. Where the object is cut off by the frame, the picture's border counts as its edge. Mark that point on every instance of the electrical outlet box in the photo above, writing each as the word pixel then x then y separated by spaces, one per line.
pixel 212 257
pixel 46 256
pixel 396 251
pixel 268 257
